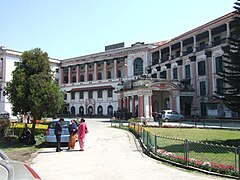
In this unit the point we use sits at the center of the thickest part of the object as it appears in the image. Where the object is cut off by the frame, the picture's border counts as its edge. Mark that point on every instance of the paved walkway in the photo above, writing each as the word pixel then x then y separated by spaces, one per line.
pixel 110 154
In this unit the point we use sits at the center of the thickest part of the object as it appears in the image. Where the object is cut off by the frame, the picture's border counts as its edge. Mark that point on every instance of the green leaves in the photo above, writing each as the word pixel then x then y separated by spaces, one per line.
pixel 33 88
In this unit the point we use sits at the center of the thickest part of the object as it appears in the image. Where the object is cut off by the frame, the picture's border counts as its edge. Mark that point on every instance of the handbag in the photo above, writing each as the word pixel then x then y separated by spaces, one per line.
pixel 86 131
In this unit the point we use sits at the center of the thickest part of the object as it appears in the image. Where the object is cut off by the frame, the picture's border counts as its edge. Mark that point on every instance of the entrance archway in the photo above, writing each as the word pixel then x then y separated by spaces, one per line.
pixel 90 110
pixel 72 110
pixel 81 110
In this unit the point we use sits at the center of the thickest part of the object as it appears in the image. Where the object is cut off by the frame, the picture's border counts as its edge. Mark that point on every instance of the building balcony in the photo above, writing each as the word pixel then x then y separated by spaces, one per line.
pixel 218 42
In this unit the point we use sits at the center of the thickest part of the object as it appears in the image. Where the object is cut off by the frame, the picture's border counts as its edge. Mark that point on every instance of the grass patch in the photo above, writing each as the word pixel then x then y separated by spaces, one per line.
pixel 210 149
pixel 213 136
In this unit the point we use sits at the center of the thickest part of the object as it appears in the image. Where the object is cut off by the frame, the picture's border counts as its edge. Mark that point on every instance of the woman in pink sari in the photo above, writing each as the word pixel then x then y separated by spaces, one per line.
pixel 82 130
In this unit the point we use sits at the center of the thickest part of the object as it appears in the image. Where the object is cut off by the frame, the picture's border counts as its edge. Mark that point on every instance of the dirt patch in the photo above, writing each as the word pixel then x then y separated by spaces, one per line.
pixel 25 156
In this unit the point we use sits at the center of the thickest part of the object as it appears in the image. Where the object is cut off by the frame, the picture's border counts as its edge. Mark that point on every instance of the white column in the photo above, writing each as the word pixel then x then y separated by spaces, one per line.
pixel 160 56
pixel 194 43
pixel 210 37
pixel 146 106
pixel 228 29
pixel 181 46
pixel 178 104
pixel 170 52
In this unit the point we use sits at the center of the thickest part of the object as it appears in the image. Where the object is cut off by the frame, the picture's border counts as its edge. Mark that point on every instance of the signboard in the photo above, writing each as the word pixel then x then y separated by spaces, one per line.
pixel 114 46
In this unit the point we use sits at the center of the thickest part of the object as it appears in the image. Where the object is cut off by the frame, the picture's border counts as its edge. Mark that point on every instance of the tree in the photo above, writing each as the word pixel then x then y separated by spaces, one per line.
pixel 33 88
pixel 230 74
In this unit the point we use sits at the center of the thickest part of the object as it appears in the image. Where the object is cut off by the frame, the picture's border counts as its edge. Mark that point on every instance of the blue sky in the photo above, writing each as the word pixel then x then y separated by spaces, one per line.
pixel 70 28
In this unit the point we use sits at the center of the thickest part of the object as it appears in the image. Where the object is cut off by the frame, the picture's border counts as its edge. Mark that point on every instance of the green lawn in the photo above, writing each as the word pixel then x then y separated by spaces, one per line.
pixel 215 136
pixel 197 147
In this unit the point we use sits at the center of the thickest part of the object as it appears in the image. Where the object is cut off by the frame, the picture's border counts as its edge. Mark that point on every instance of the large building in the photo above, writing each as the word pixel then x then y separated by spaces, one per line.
pixel 178 74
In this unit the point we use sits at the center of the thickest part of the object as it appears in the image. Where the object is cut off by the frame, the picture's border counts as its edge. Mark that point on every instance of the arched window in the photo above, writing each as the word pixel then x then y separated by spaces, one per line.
pixel 73 110
pixel 138 67
pixel 90 110
pixel 81 110
pixel 110 110
pixel 99 76
pixel 82 78
pixel 90 77
pixel 100 110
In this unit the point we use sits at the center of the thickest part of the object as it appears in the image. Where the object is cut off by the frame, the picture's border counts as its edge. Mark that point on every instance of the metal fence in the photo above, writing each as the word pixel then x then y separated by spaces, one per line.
pixel 209 157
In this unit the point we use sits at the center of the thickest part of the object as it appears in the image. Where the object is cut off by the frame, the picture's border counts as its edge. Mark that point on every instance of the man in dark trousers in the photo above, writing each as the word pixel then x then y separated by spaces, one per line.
pixel 58 133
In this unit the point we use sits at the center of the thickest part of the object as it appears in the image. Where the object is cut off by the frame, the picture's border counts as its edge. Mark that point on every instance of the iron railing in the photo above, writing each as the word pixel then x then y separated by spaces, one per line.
pixel 209 157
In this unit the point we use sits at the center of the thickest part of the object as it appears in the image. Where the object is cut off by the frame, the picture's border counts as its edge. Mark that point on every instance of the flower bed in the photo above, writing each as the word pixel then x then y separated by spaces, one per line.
pixel 209 166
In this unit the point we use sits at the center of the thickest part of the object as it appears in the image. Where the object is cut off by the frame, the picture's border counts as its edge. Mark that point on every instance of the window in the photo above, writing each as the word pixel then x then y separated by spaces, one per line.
pixel 219 67
pixel 201 68
pixel 119 75
pixel 90 77
pixel 16 63
pixel 65 96
pixel 138 67
pixel 202 88
pixel 90 94
pixel 175 73
pixel 57 70
pixel 219 83
pixel 65 80
pixel 74 79
pixel 187 72
pixel 73 68
pixel 81 95
pixel 110 93
pixel 99 93
pixel 99 76
pixel 109 75
pixel 110 110
pixel 163 74
pixel 100 110
pixel 72 95
pixel 212 106
pixel 72 110
pixel 81 78
pixel 81 110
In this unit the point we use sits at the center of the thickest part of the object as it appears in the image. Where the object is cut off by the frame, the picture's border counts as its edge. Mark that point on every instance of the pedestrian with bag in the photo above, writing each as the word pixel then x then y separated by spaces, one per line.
pixel 82 130
pixel 72 128
pixel 58 133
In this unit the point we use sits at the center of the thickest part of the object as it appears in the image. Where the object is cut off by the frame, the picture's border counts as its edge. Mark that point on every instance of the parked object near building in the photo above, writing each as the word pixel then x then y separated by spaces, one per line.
pixel 170 115
pixel 10 169
pixel 50 136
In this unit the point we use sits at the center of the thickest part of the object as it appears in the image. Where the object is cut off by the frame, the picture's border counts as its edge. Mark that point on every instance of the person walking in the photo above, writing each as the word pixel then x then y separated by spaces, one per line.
pixel 72 128
pixel 58 133
pixel 82 130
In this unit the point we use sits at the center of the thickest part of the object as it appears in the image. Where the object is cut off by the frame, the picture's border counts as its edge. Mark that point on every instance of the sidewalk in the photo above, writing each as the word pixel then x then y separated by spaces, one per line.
pixel 110 154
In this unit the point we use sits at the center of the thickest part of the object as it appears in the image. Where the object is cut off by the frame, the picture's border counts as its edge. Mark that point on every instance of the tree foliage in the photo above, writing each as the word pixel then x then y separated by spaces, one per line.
pixel 230 74
pixel 33 88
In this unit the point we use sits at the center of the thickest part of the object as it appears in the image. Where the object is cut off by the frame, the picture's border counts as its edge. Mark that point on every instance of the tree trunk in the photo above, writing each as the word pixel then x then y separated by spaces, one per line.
pixel 34 127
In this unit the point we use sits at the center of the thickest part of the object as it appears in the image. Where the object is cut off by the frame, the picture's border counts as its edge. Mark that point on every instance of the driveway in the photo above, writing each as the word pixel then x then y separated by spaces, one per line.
pixel 110 154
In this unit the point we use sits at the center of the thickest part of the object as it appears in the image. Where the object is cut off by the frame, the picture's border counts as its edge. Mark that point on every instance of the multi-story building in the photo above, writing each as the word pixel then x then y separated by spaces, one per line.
pixel 8 61
pixel 90 82
pixel 178 74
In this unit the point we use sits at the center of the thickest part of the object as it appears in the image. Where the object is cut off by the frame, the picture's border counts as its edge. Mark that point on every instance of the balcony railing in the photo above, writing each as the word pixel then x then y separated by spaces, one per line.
pixel 218 42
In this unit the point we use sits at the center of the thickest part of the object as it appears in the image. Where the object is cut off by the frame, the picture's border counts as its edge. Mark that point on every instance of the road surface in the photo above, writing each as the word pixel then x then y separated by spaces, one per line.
pixel 110 154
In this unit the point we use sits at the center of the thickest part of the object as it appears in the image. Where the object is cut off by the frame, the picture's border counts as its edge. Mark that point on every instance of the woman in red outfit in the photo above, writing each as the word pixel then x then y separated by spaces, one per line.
pixel 82 129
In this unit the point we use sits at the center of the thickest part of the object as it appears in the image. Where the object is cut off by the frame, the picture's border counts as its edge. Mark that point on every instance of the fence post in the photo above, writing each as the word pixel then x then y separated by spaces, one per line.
pixel 186 151
pixel 147 140
pixel 238 162
pixel 155 143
